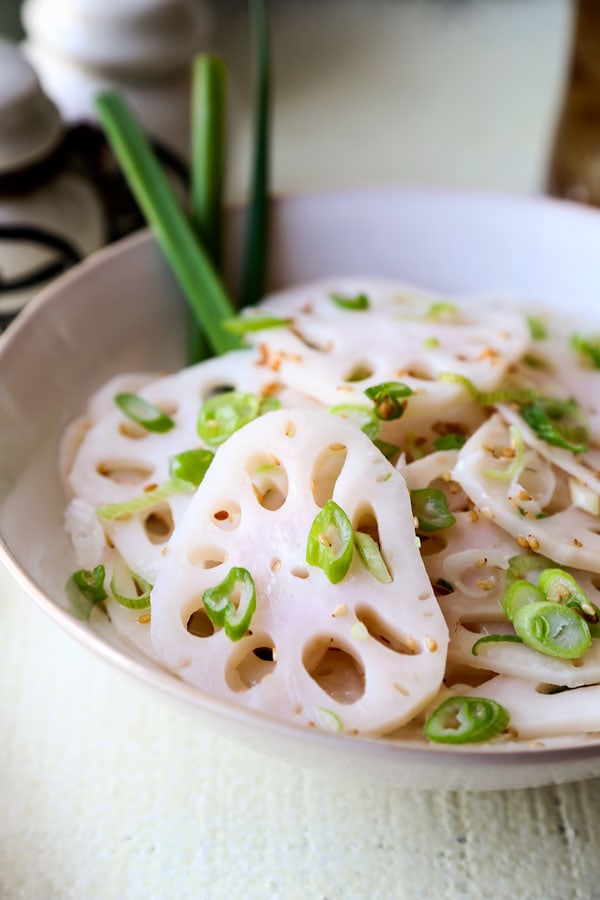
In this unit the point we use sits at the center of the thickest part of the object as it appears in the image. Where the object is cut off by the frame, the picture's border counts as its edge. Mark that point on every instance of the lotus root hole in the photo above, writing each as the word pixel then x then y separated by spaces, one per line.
pixel 207 557
pixel 124 472
pixel 199 624
pixel 252 660
pixel 269 481
pixel 228 515
pixel 359 372
pixel 158 525
pixel 326 471
pixel 337 672
pixel 387 636
pixel 433 544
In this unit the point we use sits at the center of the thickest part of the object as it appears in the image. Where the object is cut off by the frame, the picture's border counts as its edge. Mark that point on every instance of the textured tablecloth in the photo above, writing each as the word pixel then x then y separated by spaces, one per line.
pixel 106 791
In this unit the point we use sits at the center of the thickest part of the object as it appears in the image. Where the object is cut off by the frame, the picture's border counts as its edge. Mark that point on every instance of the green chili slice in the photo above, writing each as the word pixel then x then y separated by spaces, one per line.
pixel 358 303
pixel 431 509
pixel 189 467
pixel 587 347
pixel 452 441
pixel 91 582
pixel 557 422
pixel 389 398
pixel 370 554
pixel 144 413
pixel 221 415
pixel 560 587
pixel 362 416
pixel 231 604
pixel 245 324
pixel 85 589
pixel 496 639
pixel 466 720
pixel 553 629
pixel 518 594
pixel 330 543
pixel 128 588
pixel 537 328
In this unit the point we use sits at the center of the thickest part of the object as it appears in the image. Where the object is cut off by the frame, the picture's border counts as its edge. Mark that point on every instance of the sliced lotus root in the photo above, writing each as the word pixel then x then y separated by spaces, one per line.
pixel 535 712
pixel 533 504
pixel 334 353
pixel 359 656
pixel 113 459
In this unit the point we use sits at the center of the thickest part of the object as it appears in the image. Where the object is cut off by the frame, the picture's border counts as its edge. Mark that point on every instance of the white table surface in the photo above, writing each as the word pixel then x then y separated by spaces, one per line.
pixel 108 792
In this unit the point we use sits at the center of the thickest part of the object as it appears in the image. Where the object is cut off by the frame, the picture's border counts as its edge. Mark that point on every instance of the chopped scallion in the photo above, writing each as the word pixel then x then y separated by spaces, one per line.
pixel 244 324
pixel 330 544
pixel 465 720
pixel 389 398
pixel 431 509
pixel 370 554
pixel 495 639
pixel 128 588
pixel 144 413
pixel 452 441
pixel 221 415
pixel 357 304
pixel 588 348
pixel 189 467
pixel 231 604
pixel 552 629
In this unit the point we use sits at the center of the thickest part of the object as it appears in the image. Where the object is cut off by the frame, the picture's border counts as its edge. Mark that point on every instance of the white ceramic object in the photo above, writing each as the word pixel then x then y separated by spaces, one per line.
pixel 121 311
pixel 62 202
pixel 142 47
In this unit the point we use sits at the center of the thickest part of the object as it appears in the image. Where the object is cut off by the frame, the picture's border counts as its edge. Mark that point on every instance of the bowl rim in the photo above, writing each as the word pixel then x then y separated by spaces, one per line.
pixel 152 675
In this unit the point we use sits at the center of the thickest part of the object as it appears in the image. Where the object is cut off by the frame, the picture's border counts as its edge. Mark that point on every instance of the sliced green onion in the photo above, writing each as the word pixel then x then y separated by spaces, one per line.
pixel 560 587
pixel 91 582
pixel 362 416
pixel 208 117
pixel 441 309
pixel 522 563
pixel 128 588
pixel 466 720
pixel 115 512
pixel 388 450
pixel 431 342
pixel 189 467
pixel 389 399
pixel 221 415
pixel 501 395
pixel 257 226
pixel 557 422
pixel 330 544
pixel 188 259
pixel 330 720
pixel 244 324
pixel 85 589
pixel 537 328
pixel 431 509
pixel 452 441
pixel 588 347
pixel 553 629
pixel 495 639
pixel 231 604
pixel 357 304
pixel 370 554
pixel 144 413
pixel 518 594
pixel 511 471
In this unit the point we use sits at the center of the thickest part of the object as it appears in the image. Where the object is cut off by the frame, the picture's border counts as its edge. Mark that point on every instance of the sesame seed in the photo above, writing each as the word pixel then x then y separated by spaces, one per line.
pixel 431 644
pixel 144 618
pixel 485 584
pixel 522 541
pixel 487 512
pixel 577 543
pixel 473 515
pixel 533 542
pixel 340 610
pixel 480 563
pixel 447 476
pixel 523 495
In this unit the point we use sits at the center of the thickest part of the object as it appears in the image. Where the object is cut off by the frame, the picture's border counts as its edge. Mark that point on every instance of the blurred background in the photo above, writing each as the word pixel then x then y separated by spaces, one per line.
pixel 461 92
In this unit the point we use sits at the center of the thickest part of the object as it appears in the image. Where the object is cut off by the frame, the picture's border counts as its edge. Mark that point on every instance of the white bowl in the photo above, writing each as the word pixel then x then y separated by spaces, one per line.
pixel 120 311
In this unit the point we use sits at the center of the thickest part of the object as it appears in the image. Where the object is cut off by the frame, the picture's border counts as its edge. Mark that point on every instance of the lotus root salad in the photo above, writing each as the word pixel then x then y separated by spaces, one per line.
pixel 379 517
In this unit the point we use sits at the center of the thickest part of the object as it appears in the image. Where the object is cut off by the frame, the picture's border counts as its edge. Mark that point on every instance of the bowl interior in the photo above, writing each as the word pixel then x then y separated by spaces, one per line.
pixel 121 311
